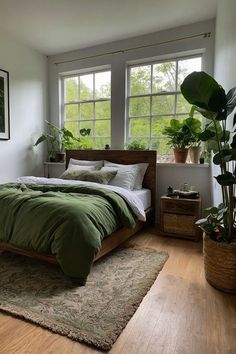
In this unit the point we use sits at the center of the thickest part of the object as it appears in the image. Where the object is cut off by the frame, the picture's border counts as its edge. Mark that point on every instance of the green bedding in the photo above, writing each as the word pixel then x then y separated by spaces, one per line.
pixel 66 221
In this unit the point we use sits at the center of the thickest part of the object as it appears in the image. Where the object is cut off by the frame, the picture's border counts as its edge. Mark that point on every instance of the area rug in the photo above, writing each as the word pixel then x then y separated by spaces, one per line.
pixel 94 314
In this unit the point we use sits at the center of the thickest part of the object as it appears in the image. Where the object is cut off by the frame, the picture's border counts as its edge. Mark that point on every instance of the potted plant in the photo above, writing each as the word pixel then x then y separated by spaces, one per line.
pixel 59 139
pixel 195 141
pixel 136 145
pixel 219 227
pixel 180 136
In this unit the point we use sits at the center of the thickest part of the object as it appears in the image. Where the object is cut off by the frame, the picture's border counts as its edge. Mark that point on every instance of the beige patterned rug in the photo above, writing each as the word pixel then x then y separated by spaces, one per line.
pixel 94 314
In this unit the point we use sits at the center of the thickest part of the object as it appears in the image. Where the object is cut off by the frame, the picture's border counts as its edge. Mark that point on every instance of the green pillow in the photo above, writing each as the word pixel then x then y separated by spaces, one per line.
pixel 102 177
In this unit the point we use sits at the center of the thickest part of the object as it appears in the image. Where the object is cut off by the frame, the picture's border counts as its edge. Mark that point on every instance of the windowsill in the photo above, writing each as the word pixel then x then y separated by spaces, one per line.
pixel 54 163
pixel 190 165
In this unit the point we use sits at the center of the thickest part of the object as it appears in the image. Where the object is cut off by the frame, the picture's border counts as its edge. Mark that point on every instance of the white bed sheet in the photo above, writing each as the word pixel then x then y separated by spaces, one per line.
pixel 130 197
pixel 145 196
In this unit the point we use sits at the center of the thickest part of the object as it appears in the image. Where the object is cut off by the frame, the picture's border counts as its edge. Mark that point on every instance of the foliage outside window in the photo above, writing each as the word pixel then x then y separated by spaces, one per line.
pixel 87 105
pixel 154 99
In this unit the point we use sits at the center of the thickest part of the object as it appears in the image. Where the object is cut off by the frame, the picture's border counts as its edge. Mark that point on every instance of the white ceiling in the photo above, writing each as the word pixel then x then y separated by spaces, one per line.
pixel 56 26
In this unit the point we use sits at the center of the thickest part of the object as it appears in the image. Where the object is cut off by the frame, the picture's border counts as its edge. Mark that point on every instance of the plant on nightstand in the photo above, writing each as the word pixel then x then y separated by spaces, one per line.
pixel 60 139
pixel 210 99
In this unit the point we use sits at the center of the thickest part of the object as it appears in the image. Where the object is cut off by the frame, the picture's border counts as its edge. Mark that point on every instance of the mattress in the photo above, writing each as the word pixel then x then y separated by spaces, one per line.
pixel 145 197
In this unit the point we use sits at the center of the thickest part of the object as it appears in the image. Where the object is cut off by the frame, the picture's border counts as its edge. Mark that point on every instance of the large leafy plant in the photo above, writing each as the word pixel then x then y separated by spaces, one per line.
pixel 182 134
pixel 211 100
pixel 59 139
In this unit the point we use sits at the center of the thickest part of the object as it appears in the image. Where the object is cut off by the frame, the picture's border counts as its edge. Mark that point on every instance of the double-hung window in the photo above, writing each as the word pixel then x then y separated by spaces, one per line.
pixel 154 98
pixel 86 103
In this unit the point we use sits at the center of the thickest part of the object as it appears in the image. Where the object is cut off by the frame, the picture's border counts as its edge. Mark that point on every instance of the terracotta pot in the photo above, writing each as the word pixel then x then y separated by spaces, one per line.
pixel 220 264
pixel 194 154
pixel 180 155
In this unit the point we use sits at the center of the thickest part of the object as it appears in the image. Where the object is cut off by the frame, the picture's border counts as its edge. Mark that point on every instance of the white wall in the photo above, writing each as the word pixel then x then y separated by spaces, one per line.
pixel 176 175
pixel 28 109
pixel 225 58
pixel 67 62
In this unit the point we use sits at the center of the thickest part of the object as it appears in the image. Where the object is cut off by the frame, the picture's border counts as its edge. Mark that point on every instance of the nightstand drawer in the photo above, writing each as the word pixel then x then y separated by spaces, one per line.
pixel 179 207
pixel 179 224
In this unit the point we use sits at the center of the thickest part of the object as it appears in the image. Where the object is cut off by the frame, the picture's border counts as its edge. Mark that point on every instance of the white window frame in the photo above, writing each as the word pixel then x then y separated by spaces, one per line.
pixel 94 100
pixel 151 95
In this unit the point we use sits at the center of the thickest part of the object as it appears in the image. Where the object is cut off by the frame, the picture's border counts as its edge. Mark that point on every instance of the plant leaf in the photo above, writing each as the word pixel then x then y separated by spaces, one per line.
pixel 206 135
pixel 85 132
pixel 226 179
pixel 41 139
pixel 202 90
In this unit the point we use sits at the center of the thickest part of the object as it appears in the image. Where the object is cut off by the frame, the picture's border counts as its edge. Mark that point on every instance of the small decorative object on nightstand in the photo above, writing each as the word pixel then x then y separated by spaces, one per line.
pixel 178 217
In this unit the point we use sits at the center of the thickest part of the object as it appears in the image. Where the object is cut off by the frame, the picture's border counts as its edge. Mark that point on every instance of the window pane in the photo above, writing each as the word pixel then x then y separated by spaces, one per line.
pixel 186 66
pixel 101 142
pixel 87 125
pixel 164 76
pixel 71 89
pixel 86 87
pixel 73 127
pixel 139 106
pixel 182 105
pixel 163 104
pixel 102 128
pixel 72 112
pixel 86 110
pixel 158 125
pixel 103 85
pixel 163 150
pixel 140 80
pixel 103 110
pixel 139 127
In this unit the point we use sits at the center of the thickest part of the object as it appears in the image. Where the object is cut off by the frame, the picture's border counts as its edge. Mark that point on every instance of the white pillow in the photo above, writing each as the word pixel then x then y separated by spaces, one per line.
pixel 96 164
pixel 125 176
pixel 142 167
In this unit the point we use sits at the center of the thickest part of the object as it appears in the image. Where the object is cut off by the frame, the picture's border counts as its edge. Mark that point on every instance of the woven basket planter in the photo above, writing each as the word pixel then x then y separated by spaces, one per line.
pixel 220 264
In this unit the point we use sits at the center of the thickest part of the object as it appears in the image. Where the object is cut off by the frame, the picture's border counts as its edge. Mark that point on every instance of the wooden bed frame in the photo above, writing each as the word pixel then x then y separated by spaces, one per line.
pixel 116 238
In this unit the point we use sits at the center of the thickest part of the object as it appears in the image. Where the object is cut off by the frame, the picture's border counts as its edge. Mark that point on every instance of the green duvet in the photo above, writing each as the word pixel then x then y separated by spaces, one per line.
pixel 66 221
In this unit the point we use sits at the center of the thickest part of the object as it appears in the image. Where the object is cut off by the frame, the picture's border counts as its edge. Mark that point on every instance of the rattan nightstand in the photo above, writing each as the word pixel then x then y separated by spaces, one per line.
pixel 178 217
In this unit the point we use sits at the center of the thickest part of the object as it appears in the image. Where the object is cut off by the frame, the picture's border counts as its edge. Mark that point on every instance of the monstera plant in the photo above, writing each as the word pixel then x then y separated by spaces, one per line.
pixel 217 106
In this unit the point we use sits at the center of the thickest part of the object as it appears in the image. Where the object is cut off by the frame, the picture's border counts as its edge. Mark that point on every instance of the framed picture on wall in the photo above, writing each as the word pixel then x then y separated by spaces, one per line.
pixel 4 106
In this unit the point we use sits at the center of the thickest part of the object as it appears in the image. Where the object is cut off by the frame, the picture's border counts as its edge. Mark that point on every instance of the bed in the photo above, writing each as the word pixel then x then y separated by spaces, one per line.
pixel 118 235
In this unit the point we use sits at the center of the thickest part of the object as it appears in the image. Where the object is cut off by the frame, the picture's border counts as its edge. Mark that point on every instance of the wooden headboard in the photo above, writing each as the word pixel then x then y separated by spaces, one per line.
pixel 124 157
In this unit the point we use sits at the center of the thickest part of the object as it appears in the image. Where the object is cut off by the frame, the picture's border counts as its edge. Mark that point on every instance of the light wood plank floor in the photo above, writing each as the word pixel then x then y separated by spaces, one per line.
pixel 181 314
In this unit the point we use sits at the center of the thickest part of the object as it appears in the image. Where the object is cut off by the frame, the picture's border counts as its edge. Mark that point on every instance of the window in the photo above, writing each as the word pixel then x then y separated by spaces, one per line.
pixel 154 98
pixel 87 104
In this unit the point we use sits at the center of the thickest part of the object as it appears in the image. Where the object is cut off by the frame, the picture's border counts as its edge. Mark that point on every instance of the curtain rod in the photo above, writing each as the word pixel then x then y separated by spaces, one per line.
pixel 204 35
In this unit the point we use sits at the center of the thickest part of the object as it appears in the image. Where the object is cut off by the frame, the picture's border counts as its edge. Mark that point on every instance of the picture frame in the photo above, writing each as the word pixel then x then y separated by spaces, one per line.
pixel 4 106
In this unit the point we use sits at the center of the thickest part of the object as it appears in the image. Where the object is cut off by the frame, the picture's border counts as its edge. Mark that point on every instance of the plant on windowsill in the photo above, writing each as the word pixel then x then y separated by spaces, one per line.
pixel 195 141
pixel 137 145
pixel 60 139
pixel 219 224
pixel 180 136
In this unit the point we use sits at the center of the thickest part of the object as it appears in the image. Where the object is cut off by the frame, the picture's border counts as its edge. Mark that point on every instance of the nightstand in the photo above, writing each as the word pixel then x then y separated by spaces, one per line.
pixel 53 169
pixel 178 217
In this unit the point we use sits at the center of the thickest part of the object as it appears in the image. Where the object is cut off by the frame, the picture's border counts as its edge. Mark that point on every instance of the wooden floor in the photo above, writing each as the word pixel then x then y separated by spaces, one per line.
pixel 181 314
